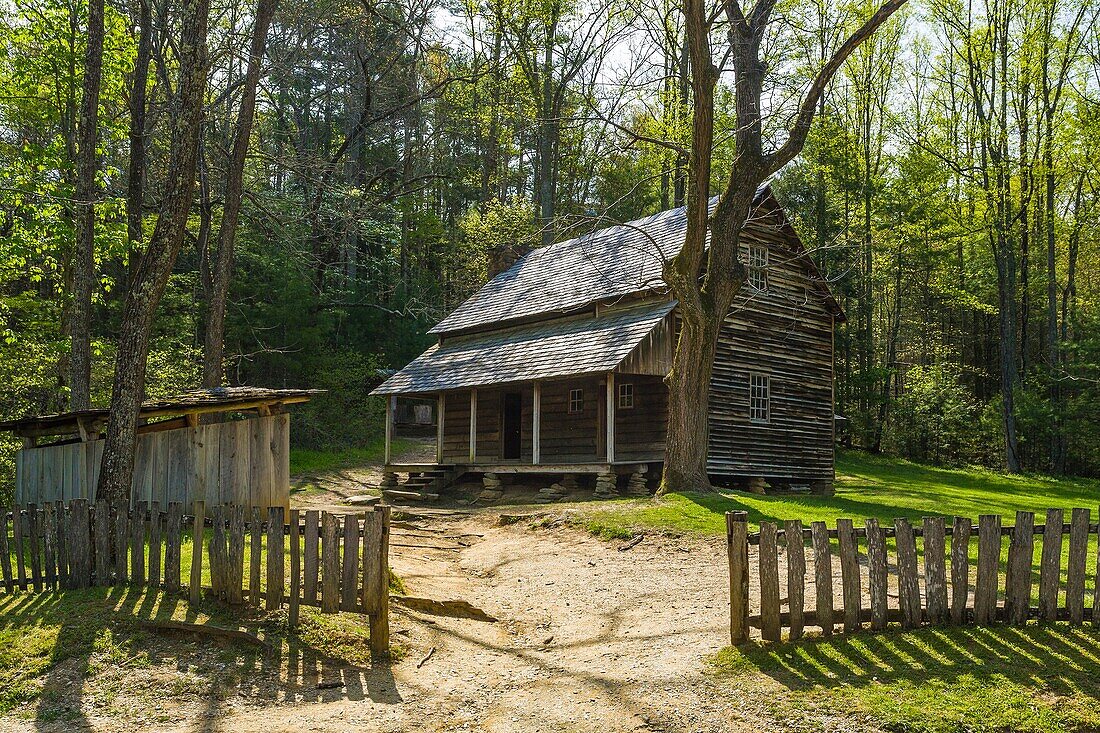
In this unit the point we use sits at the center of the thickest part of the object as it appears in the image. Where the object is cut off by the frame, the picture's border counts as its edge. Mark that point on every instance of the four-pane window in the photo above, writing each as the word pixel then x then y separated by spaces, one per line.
pixel 626 396
pixel 576 400
pixel 759 398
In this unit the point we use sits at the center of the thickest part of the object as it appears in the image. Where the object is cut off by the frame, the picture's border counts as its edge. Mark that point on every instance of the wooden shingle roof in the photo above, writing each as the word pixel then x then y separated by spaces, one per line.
pixel 546 350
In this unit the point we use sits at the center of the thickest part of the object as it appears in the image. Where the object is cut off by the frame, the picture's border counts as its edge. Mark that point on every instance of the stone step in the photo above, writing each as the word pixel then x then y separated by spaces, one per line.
pixel 409 495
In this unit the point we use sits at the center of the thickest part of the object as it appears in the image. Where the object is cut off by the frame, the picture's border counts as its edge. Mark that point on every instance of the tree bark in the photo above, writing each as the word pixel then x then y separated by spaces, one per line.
pixel 135 185
pixel 87 164
pixel 151 274
pixel 221 273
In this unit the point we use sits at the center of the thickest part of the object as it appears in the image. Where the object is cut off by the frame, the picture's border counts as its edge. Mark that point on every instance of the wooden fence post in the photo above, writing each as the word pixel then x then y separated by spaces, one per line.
pixel 380 621
pixel 908 584
pixel 172 547
pixel 768 560
pixel 989 563
pixel 1018 572
pixel 17 539
pixel 137 543
pixel 275 570
pixel 796 577
pixel 737 550
pixel 309 551
pixel 1075 569
pixel 5 557
pixel 235 558
pixel 79 532
pixel 1050 566
pixel 102 543
pixel 32 538
pixel 255 555
pixel 330 564
pixel 154 545
pixel 349 585
pixel 197 529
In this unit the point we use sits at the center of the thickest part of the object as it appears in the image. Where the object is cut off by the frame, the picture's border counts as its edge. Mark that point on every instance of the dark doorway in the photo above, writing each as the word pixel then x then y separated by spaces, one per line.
pixel 511 425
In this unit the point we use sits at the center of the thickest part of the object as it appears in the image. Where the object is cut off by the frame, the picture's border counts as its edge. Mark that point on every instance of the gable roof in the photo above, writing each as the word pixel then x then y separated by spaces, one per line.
pixel 570 276
pixel 549 349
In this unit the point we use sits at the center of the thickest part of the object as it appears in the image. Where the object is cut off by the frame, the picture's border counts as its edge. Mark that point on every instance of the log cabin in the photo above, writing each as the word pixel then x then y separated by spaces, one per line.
pixel 556 365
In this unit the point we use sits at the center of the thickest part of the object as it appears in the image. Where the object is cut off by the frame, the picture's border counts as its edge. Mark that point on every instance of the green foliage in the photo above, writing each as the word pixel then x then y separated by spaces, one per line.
pixel 934 419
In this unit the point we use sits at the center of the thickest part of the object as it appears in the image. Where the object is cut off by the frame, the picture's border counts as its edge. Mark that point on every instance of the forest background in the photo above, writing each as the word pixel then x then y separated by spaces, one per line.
pixel 949 191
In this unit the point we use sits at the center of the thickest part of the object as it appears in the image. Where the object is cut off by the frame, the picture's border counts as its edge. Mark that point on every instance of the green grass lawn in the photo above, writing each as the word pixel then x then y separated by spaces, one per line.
pixel 866 486
pixel 304 460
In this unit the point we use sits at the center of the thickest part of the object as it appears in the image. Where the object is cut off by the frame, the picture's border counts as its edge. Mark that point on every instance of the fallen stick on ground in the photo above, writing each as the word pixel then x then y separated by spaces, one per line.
pixel 426 658
pixel 637 539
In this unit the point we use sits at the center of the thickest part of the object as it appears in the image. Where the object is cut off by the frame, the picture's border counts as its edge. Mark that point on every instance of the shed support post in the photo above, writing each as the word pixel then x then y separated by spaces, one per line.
pixel 536 420
pixel 610 418
pixel 473 425
pixel 441 404
pixel 391 406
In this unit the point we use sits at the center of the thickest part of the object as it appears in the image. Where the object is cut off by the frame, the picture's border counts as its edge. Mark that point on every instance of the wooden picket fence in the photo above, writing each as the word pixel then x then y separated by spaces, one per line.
pixel 877 589
pixel 337 562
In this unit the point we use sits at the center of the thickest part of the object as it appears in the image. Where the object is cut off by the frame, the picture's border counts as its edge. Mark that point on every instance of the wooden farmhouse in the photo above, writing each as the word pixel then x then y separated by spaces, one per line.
pixel 556 366
pixel 242 458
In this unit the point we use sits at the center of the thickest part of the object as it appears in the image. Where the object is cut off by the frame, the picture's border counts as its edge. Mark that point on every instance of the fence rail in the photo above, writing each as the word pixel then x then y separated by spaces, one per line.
pixel 879 586
pixel 337 562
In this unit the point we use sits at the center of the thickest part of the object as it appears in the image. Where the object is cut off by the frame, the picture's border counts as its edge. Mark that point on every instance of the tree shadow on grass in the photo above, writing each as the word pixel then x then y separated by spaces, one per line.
pixel 82 650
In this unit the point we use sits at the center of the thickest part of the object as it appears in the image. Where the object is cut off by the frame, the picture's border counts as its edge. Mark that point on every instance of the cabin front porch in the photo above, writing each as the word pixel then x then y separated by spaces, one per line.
pixel 603 425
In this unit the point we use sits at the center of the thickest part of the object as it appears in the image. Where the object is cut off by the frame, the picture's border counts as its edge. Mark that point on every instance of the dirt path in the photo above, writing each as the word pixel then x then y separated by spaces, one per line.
pixel 588 639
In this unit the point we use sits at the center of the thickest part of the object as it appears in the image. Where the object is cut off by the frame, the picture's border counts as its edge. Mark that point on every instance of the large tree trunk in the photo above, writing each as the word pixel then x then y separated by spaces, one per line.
pixel 706 292
pixel 135 185
pixel 80 324
pixel 221 272
pixel 151 274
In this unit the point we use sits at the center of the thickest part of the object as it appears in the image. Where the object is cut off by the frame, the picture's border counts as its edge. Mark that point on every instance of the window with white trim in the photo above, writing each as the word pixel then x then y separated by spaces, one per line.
pixel 626 396
pixel 576 400
pixel 758 267
pixel 759 397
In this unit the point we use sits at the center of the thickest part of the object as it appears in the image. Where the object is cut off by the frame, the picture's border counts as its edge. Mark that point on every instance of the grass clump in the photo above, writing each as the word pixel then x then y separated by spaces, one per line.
pixel 306 460
pixel 1036 678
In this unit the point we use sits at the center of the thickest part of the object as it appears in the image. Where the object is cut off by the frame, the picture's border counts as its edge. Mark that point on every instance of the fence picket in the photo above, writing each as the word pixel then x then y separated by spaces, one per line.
pixel 349 585
pixel 989 564
pixel 1050 566
pixel 137 543
pixel 823 576
pixel 380 620
pixel 877 574
pixel 908 583
pixel 796 577
pixel 935 569
pixel 121 515
pixel 275 570
pixel 173 546
pixel 768 558
pixel 295 570
pixel 5 557
pixel 218 554
pixel 49 542
pixel 1075 568
pixel 849 574
pixel 960 569
pixel 79 532
pixel 102 531
pixel 62 544
pixel 32 553
pixel 372 542
pixel 330 561
pixel 255 555
pixel 198 527
pixel 17 539
pixel 154 544
pixel 1018 573
pixel 309 583
pixel 235 558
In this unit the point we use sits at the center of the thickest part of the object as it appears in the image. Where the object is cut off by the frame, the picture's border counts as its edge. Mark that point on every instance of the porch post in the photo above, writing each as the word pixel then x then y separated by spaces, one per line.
pixel 610 419
pixel 536 420
pixel 441 403
pixel 473 424
pixel 391 407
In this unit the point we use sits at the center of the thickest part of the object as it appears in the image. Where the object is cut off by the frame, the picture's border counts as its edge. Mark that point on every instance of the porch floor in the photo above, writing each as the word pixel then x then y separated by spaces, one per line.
pixel 618 467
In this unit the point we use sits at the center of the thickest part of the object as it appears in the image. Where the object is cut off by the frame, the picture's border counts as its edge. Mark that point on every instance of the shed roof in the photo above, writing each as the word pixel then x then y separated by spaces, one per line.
pixel 219 399
pixel 546 350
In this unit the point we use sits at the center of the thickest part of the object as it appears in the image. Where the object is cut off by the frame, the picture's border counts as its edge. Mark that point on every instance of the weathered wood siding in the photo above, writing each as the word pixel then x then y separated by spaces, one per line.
pixel 241 461
pixel 640 430
pixel 785 333
pixel 566 437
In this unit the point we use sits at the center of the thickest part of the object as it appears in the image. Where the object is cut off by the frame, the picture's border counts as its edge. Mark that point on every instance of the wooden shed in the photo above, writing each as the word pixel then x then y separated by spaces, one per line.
pixel 557 364
pixel 243 458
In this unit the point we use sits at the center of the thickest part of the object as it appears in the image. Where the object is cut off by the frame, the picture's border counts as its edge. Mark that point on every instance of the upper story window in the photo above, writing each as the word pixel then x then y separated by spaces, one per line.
pixel 626 396
pixel 576 400
pixel 759 397
pixel 758 267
